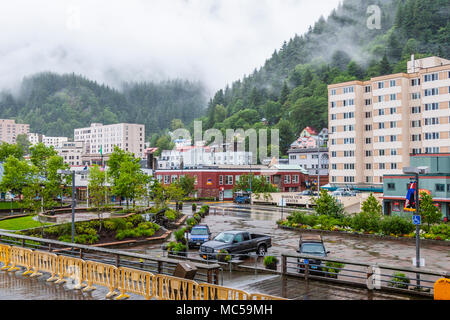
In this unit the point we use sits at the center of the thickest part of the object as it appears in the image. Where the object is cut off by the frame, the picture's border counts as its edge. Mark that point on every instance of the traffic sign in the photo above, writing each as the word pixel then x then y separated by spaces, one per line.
pixel 417 220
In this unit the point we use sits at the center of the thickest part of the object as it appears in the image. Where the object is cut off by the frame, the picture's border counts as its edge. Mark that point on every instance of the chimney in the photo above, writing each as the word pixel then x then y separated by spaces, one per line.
pixel 413 64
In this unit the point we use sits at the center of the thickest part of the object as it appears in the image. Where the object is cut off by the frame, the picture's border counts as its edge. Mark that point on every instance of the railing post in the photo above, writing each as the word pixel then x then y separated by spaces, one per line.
pixel 217 276
pixel 209 276
pixel 283 264
pixel 117 261
pixel 306 271
pixel 159 267
pixel 81 253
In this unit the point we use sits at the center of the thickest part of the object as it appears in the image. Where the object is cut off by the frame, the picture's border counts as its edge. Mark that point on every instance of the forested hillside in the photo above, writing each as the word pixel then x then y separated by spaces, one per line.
pixel 290 90
pixel 55 104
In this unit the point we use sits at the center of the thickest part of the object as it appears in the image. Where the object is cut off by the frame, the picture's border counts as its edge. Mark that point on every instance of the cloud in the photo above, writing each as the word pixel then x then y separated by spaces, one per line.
pixel 213 41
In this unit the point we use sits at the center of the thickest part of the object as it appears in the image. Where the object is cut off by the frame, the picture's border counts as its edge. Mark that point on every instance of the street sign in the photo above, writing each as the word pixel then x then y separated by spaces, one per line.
pixel 282 203
pixel 306 261
pixel 417 220
pixel 422 262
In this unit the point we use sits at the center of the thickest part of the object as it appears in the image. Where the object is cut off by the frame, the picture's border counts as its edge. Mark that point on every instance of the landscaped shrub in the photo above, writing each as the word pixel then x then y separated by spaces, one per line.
pixel 191 221
pixel 179 235
pixel 270 262
pixel 396 225
pixel 366 222
pixel 197 217
pixel 223 255
pixel 119 224
pixel 442 231
pixel 170 214
pixel 399 280
pixel 333 268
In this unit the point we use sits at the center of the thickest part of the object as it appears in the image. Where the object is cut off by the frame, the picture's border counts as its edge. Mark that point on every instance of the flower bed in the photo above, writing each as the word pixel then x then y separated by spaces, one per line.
pixel 394 226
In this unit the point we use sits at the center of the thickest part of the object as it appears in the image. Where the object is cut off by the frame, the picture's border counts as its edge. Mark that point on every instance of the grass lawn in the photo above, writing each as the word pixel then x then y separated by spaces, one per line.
pixel 20 223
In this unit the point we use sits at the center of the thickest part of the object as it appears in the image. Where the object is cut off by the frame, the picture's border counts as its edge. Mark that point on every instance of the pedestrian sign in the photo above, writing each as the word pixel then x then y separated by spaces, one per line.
pixel 417 220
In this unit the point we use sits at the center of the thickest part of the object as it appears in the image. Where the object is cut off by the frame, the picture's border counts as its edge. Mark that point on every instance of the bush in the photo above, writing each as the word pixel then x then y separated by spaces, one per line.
pixel 441 230
pixel 170 214
pixel 119 224
pixel 135 219
pixel 194 207
pixel 270 260
pixel 223 255
pixel 366 222
pixel 179 235
pixel 396 225
pixel 109 225
pixel 191 222
pixel 197 217
pixel 399 280
pixel 333 267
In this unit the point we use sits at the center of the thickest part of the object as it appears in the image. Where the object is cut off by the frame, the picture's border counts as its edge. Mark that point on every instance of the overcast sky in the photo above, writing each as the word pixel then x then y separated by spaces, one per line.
pixel 214 41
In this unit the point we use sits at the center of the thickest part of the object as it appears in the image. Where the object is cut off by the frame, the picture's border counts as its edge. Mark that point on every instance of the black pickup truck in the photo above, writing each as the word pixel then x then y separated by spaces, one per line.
pixel 235 242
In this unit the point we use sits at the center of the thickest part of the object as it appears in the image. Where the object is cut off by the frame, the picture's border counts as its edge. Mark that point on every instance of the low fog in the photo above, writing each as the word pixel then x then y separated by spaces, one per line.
pixel 213 41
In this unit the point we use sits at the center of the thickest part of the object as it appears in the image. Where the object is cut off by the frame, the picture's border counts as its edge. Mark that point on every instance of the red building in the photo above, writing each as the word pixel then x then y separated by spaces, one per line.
pixel 219 181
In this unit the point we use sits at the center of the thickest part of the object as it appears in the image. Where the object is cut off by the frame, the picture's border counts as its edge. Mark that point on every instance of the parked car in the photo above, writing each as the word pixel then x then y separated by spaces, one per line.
pixel 343 192
pixel 311 245
pixel 241 197
pixel 236 242
pixel 306 193
pixel 199 234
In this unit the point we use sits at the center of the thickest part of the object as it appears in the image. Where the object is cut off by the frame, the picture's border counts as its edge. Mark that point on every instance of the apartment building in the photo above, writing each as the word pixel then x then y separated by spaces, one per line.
pixel 127 136
pixel 9 130
pixel 72 152
pixel 375 125
pixel 56 142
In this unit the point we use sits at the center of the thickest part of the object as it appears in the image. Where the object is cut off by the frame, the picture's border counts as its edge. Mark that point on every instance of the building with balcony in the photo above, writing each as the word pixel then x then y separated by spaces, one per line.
pixel 9 130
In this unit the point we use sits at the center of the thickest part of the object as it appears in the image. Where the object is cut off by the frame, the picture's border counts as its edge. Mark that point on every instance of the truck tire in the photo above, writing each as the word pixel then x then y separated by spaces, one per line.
pixel 261 251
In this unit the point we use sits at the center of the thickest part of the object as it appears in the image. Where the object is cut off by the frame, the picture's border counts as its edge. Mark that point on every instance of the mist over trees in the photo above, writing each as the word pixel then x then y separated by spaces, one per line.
pixel 56 104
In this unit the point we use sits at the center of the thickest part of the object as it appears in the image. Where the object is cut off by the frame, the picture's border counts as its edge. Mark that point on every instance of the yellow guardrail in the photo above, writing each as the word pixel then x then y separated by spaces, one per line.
pixel 135 281
pixel 21 257
pixel 442 289
pixel 44 262
pixel 101 274
pixel 70 267
pixel 173 288
pixel 5 256
pixel 126 280
pixel 214 292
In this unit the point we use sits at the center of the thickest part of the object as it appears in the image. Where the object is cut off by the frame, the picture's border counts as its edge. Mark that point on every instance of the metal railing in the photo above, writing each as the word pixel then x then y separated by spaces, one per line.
pixel 88 273
pixel 372 276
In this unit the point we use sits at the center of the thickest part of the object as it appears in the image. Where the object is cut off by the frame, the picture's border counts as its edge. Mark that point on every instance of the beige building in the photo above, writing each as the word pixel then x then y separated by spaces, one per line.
pixel 9 130
pixel 72 152
pixel 375 125
pixel 127 136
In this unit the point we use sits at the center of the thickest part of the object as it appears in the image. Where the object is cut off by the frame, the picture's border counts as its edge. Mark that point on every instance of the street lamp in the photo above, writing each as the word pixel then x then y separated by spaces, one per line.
pixel 416 171
pixel 70 172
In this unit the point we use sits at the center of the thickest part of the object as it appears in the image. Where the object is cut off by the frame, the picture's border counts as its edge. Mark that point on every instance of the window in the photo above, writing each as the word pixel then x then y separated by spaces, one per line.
pixel 380 85
pixel 333 116
pixel 393 110
pixel 415 123
pixel 431 77
pixel 287 179
pixel 368 166
pixel 228 180
pixel 432 150
pixel 392 83
pixel 368 153
pixel 368 140
pixel 382 166
pixel 349 153
pixel 415 82
pixel 415 95
pixel 416 151
pixel 381 152
pixel 431 121
pixel 349 166
pixel 393 165
pixel 416 137
pixel 369 114
pixel 440 187
pixel 381 125
pixel 391 186
pixel 381 139
pixel 367 89
pixel 348 89
pixel 381 112
pixel 431 135
pixel 392 96
pixel 295 179
pixel 174 178
pixel 333 104
pixel 349 140
pixel 380 98
pixel 334 166
pixel 166 179
pixel 415 109
pixel 431 106
pixel 393 124
pixel 368 102
pixel 333 154
pixel 431 92
pixel 333 92
pixel 393 138
pixel 220 180
pixel 368 127
pixel 393 152
pixel 349 179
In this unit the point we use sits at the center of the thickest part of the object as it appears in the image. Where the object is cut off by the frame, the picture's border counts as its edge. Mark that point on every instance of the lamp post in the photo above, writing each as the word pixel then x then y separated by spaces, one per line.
pixel 70 172
pixel 416 171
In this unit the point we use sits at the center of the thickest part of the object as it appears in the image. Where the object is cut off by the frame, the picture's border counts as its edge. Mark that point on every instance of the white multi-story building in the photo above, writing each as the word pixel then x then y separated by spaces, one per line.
pixel 9 130
pixel 375 125
pixel 126 136
pixel 56 142
pixel 201 156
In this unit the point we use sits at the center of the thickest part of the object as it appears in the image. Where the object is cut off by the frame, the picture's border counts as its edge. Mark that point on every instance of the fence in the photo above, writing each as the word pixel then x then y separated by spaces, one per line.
pixel 123 279
pixel 408 280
